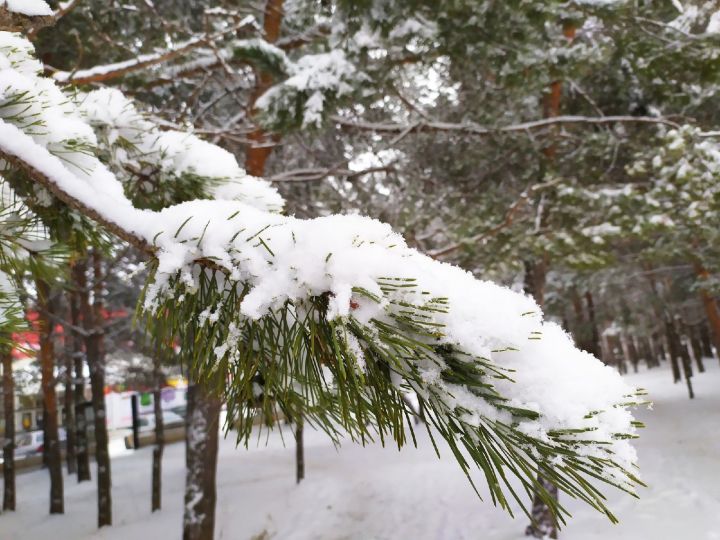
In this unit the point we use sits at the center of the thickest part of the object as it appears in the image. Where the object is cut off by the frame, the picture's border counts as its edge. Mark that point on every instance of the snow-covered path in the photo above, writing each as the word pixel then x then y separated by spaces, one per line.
pixel 380 493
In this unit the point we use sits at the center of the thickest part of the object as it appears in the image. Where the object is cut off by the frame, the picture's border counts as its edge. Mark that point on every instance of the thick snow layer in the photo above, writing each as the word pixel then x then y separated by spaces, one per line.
pixel 31 8
pixel 375 493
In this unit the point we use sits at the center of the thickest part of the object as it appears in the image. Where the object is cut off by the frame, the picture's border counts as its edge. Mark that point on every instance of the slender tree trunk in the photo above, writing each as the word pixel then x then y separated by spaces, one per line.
pixel 706 342
pixel 673 351
pixel 51 442
pixel 81 436
pixel 45 447
pixel 299 449
pixel 201 449
pixel 694 346
pixel 69 398
pixel 261 144
pixel 159 435
pixel 596 348
pixel 543 523
pixel 711 307
pixel 685 360
pixel 8 385
pixel 94 349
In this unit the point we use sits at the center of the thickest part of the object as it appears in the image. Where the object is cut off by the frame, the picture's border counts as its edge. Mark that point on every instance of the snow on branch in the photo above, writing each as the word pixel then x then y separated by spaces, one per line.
pixel 161 166
pixel 476 129
pixel 119 69
pixel 291 300
pixel 30 8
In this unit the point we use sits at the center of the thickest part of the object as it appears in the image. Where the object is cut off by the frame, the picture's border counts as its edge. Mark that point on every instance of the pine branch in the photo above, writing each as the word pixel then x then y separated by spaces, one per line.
pixel 507 221
pixel 45 177
pixel 107 72
pixel 484 131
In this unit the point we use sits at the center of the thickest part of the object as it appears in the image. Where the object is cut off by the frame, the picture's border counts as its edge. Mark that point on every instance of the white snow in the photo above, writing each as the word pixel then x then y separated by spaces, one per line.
pixel 315 76
pixel 30 8
pixel 381 494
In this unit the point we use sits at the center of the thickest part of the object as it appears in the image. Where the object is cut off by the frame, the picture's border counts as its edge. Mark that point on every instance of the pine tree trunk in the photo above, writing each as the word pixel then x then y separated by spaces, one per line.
pixel 156 503
pixel 543 524
pixel 706 342
pixel 696 347
pixel 201 449
pixel 711 307
pixel 8 385
pixel 685 361
pixel 627 353
pixel 70 457
pixel 95 353
pixel 299 449
pixel 51 442
pixel 596 348
pixel 81 436
pixel 672 350
pixel 260 147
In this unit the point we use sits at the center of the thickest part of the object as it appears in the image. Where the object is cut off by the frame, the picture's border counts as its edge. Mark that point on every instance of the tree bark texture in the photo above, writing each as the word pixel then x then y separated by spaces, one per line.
pixel 95 353
pixel 156 502
pixel 69 401
pixel 8 385
pixel 201 448
pixel 261 143
pixel 51 441
pixel 710 304
pixel 82 452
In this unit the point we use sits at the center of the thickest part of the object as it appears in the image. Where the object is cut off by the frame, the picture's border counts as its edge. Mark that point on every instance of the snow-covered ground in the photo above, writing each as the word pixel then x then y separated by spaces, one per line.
pixel 380 493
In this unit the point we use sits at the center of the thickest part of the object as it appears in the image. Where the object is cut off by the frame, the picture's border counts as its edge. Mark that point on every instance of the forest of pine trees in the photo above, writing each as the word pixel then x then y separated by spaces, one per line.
pixel 469 225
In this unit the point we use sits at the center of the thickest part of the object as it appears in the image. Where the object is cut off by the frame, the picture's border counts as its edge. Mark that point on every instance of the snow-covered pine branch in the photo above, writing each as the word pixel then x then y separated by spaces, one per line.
pixel 248 50
pixel 470 128
pixel 143 156
pixel 337 314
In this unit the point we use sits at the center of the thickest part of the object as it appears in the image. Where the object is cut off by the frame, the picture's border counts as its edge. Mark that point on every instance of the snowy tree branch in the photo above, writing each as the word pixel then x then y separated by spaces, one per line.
pixel 119 69
pixel 476 129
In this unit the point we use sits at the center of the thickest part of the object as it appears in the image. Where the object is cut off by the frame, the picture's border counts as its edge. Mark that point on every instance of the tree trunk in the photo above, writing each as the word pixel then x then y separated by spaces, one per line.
pixel 201 449
pixel 706 342
pixel 8 385
pixel 595 334
pixel 653 359
pixel 156 503
pixel 299 449
pixel 51 441
pixel 261 144
pixel 543 524
pixel 694 346
pixel 711 307
pixel 70 457
pixel 81 436
pixel 95 353
pixel 672 350
pixel 625 348
pixel 685 360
